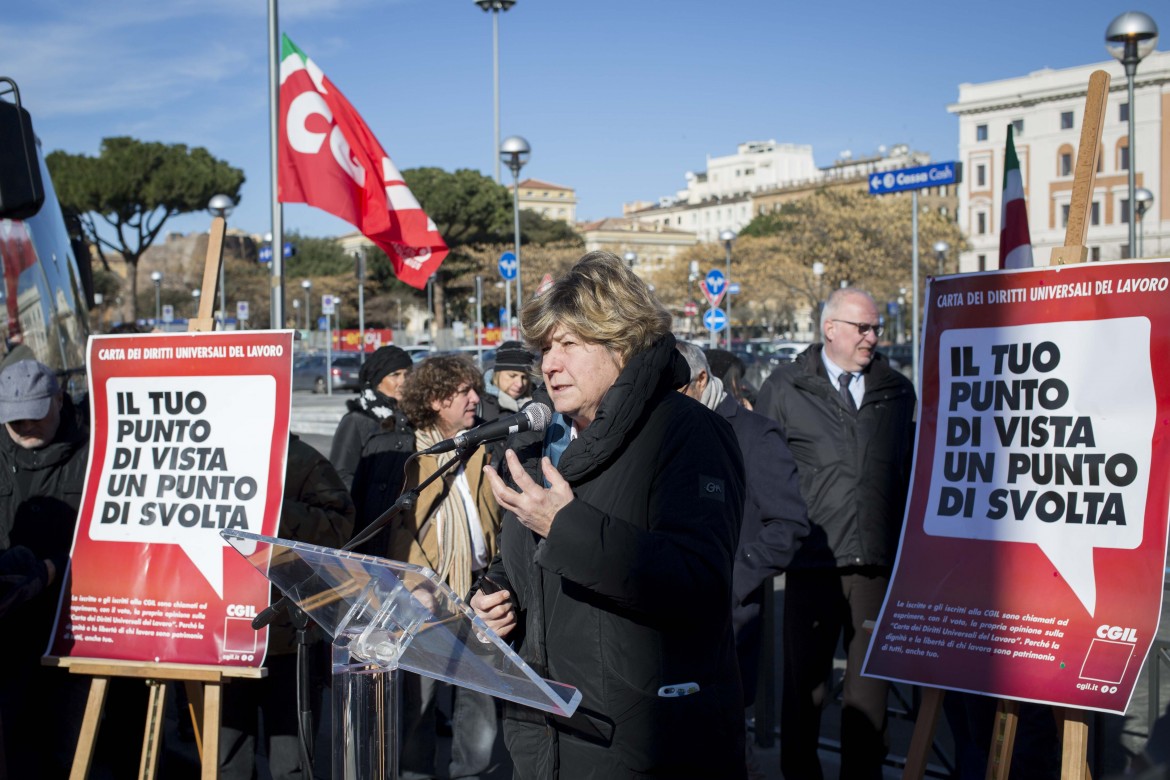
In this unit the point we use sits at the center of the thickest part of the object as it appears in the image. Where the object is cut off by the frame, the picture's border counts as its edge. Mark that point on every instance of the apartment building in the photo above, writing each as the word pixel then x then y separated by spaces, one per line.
pixel 1046 109
pixel 549 200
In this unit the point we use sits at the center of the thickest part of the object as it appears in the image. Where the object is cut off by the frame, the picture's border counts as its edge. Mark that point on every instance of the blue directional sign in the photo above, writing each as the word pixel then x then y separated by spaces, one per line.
pixel 509 265
pixel 934 175
pixel 733 288
pixel 715 319
pixel 715 281
pixel 289 249
pixel 265 254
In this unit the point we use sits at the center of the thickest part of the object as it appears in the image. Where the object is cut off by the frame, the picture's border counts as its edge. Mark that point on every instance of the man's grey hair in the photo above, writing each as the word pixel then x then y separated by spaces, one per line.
pixel 833 304
pixel 695 358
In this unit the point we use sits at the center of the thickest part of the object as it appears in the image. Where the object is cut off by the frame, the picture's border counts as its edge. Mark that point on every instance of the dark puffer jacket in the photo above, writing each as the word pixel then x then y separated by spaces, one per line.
pixel 317 509
pixel 370 454
pixel 630 592
pixel 854 468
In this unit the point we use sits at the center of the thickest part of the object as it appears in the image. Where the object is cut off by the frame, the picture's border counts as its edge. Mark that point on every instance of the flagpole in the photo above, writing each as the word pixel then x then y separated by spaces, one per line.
pixel 276 310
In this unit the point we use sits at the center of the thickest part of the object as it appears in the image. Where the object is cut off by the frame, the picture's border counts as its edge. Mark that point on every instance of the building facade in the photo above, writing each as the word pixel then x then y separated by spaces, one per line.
pixel 549 200
pixel 1046 111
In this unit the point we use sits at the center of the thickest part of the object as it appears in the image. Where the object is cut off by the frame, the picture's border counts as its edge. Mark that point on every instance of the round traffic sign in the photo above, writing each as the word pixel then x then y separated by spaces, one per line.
pixel 509 266
pixel 715 319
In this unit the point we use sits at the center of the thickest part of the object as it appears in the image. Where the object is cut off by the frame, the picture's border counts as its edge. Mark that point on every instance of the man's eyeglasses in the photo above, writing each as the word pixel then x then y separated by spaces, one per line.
pixel 864 327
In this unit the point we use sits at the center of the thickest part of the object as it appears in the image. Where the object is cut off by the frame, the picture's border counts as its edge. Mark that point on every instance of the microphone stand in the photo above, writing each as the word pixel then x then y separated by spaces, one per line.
pixel 406 501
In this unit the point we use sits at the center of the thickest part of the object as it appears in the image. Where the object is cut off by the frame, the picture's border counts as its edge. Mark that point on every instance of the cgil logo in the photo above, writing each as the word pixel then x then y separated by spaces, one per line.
pixel 1117 632
pixel 248 610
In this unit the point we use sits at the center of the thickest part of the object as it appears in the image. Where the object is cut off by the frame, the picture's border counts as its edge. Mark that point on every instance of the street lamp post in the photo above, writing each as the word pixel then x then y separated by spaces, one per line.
pixel 514 152
pixel 495 7
pixel 940 249
pixel 195 296
pixel 1129 38
pixel 157 277
pixel 818 269
pixel 296 304
pixel 308 285
pixel 631 259
pixel 221 206
pixel 360 258
pixel 727 237
pixel 1142 199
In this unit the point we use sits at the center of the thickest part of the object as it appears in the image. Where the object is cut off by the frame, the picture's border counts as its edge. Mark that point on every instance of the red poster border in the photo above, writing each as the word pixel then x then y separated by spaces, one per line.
pixel 122 571
pixel 1013 576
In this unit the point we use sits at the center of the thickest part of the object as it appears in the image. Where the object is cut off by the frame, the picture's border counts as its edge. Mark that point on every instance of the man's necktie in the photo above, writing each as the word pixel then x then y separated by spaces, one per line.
pixel 843 385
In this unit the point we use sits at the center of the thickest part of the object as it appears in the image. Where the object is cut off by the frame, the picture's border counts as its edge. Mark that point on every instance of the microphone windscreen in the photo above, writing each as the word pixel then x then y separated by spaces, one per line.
pixel 538 414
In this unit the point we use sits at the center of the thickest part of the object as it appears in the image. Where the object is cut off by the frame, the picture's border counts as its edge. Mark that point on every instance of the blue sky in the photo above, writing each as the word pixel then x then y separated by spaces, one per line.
pixel 618 98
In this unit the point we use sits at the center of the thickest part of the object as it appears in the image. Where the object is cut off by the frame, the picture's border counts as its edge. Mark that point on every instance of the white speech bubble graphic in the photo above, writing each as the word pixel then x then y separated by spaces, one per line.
pixel 185 457
pixel 1077 408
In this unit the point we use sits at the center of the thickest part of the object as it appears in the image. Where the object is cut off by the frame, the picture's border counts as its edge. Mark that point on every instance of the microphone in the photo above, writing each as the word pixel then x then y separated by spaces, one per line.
pixel 534 416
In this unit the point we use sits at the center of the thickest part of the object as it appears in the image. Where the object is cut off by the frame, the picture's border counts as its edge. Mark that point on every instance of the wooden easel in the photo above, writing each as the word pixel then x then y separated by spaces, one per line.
pixel 1073 723
pixel 203 683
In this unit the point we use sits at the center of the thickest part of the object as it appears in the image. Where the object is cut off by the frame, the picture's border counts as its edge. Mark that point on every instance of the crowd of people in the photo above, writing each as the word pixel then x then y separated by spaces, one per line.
pixel 628 545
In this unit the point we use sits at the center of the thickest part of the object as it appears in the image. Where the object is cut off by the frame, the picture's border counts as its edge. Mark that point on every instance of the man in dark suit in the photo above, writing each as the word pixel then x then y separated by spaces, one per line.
pixel 774 515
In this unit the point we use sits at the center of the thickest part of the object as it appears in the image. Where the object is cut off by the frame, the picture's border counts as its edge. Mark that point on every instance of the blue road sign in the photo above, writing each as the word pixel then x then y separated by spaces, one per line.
pixel 509 265
pixel 715 319
pixel 289 250
pixel 733 288
pixel 265 254
pixel 715 281
pixel 934 175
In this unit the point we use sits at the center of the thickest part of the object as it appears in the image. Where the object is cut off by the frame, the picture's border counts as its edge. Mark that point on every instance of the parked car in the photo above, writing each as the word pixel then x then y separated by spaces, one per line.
pixel 309 372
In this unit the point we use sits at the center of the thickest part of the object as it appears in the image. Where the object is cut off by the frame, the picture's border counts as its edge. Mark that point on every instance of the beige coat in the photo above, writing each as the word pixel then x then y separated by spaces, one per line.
pixel 415 539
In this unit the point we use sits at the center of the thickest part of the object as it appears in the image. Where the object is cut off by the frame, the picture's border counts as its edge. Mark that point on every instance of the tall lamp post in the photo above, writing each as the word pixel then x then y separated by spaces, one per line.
pixel 157 277
pixel 494 7
pixel 195 297
pixel 818 269
pixel 631 259
pixel 728 237
pixel 940 249
pixel 1142 199
pixel 360 258
pixel 514 152
pixel 1129 38
pixel 308 285
pixel 221 206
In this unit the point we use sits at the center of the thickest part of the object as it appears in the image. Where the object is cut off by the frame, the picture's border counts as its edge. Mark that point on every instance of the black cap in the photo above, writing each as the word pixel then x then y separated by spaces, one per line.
pixel 511 356
pixel 383 361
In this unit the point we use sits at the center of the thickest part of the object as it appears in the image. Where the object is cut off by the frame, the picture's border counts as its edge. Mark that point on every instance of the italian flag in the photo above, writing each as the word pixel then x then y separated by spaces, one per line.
pixel 1015 242
pixel 330 159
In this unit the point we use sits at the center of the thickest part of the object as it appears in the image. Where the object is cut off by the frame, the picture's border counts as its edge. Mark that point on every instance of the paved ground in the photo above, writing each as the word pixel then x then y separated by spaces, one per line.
pixel 1113 738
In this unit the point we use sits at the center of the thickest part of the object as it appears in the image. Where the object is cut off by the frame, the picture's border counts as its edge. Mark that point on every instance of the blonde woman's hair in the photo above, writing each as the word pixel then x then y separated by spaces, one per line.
pixel 601 301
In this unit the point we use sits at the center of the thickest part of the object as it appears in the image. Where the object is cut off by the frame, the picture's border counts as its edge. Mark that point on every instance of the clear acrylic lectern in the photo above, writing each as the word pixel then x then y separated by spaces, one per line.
pixel 385 615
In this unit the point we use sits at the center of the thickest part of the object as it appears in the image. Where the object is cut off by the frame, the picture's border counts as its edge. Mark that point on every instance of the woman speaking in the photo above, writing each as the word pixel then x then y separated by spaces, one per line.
pixel 617 545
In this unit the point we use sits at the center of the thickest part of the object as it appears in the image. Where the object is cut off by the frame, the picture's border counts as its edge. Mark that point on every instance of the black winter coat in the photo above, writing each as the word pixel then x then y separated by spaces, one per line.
pixel 630 591
pixel 854 468
pixel 370 454
pixel 775 520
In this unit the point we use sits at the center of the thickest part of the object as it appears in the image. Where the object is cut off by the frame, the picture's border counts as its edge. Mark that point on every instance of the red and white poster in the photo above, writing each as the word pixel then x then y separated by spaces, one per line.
pixel 189 436
pixel 1034 546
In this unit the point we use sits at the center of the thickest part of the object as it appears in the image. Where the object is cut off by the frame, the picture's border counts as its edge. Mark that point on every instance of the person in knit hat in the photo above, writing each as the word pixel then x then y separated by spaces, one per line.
pixel 509 382
pixel 374 439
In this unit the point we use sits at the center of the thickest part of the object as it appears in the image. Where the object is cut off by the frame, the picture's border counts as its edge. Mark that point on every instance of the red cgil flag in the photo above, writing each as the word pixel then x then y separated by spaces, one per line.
pixel 328 158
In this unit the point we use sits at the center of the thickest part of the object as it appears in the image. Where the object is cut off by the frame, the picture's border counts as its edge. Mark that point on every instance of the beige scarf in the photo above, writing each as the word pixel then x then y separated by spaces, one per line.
pixel 449 519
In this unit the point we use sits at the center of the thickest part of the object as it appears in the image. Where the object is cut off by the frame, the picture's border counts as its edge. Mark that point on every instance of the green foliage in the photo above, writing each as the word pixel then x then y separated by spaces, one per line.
pixel 466 206
pixel 538 229
pixel 316 257
pixel 763 225
pixel 134 187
